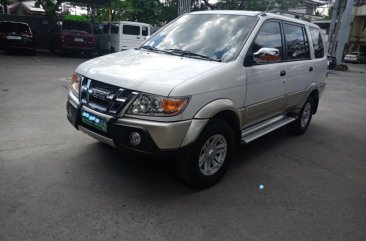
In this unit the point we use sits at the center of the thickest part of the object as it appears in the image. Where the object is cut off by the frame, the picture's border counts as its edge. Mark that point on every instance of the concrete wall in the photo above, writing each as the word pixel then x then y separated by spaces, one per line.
pixel 357 40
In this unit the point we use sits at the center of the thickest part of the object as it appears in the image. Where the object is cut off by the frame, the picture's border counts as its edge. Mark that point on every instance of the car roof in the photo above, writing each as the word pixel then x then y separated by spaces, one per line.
pixel 13 22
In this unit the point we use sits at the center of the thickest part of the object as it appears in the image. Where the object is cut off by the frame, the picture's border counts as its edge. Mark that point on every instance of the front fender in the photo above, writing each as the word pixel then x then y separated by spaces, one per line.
pixel 204 114
pixel 215 107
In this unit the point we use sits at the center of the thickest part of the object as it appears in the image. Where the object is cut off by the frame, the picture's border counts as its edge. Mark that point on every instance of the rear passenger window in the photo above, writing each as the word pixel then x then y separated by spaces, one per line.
pixel 269 36
pixel 145 31
pixel 317 42
pixel 131 30
pixel 296 42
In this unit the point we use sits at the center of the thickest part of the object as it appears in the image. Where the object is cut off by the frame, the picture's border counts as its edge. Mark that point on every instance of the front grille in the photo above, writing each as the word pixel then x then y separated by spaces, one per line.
pixel 103 97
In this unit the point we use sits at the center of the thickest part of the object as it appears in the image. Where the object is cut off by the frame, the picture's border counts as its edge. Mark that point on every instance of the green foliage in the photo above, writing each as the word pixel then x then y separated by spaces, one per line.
pixel 77 18
pixel 148 11
pixel 258 5
pixel 169 10
pixel 50 6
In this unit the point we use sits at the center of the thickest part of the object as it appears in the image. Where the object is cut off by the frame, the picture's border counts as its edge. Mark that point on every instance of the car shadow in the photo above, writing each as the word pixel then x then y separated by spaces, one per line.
pixel 156 177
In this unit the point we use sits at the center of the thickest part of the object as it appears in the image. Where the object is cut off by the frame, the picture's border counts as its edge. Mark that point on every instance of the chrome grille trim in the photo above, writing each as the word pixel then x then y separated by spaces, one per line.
pixel 105 98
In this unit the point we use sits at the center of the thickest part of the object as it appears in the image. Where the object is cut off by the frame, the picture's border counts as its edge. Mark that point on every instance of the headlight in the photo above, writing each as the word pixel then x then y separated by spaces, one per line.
pixel 157 105
pixel 75 82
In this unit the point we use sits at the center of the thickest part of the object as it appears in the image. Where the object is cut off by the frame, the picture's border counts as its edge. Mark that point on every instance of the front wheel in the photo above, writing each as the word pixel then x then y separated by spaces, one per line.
pixel 301 124
pixel 208 158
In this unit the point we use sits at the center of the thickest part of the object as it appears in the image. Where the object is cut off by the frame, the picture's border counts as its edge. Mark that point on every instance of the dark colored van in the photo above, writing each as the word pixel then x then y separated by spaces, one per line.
pixel 16 36
pixel 73 37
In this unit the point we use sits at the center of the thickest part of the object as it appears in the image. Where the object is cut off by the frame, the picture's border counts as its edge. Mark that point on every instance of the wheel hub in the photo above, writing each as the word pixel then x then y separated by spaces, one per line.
pixel 212 155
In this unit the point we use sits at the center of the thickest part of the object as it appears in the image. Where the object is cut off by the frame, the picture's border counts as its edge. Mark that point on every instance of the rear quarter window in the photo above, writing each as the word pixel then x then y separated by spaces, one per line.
pixel 145 31
pixel 317 42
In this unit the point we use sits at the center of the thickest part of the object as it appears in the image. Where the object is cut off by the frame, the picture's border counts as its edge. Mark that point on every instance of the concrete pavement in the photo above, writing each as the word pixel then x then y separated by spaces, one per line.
pixel 59 184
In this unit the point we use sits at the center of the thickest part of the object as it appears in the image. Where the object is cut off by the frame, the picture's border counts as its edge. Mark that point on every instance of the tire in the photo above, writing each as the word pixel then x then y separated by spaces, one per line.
pixel 214 148
pixel 301 124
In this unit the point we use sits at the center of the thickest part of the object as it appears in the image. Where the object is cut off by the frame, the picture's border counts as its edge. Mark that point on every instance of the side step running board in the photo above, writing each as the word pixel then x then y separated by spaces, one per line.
pixel 263 128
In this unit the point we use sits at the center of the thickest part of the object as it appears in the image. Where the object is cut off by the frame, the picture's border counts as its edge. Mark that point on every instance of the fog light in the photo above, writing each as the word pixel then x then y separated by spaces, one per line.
pixel 135 138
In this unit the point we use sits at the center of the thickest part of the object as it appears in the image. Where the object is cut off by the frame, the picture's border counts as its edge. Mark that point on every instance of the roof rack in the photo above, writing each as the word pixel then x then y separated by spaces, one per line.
pixel 286 13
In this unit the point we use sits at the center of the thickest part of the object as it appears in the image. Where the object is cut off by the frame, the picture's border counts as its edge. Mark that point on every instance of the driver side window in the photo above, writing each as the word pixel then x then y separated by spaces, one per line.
pixel 269 37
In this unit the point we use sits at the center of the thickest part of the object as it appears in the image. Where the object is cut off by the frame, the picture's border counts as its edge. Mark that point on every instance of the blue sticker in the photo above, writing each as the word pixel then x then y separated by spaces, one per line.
pixel 261 187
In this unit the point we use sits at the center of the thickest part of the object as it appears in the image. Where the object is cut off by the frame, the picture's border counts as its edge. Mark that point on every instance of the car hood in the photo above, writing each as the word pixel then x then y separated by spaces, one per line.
pixel 145 71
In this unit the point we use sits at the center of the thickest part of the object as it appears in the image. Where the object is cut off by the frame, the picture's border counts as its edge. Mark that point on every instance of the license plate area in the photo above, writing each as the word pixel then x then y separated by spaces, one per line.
pixel 78 40
pixel 13 37
pixel 96 121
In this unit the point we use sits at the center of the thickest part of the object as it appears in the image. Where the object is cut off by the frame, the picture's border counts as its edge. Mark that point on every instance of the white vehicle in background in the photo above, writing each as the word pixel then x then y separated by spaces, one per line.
pixel 124 35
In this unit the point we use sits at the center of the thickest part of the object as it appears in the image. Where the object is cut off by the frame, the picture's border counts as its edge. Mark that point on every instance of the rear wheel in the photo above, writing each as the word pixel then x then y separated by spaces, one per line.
pixel 208 158
pixel 301 124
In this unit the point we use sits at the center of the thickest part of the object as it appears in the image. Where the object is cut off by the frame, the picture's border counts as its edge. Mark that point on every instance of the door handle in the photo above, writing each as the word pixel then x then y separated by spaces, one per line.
pixel 311 69
pixel 283 73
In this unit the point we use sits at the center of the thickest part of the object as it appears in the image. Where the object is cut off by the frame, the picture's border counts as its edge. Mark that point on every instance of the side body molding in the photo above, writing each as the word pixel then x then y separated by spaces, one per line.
pixel 203 115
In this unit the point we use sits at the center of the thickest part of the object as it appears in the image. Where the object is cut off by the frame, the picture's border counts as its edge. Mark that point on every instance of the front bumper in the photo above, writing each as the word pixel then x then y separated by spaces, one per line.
pixel 156 137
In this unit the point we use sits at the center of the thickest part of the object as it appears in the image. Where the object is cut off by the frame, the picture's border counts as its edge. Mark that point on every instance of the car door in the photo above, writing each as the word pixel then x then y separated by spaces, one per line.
pixel 300 67
pixel 265 80
pixel 131 36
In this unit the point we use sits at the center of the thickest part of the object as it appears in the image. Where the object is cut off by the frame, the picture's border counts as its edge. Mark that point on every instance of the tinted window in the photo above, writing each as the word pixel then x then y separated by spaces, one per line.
pixel 218 36
pixel 131 30
pixel 105 28
pixel 269 36
pixel 317 42
pixel 7 27
pixel 76 26
pixel 114 28
pixel 296 42
pixel 145 31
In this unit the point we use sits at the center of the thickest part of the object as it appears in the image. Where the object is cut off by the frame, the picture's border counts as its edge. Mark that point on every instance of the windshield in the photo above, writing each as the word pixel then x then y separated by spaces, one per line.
pixel 216 36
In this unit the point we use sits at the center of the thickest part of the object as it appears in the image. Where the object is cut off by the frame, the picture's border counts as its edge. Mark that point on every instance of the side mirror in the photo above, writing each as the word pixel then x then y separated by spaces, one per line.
pixel 266 55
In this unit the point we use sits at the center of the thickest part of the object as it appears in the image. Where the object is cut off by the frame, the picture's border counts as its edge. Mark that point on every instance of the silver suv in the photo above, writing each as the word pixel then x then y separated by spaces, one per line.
pixel 201 86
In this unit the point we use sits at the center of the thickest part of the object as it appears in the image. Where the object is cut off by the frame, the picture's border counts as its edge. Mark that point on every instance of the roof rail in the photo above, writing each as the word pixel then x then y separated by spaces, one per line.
pixel 286 13
pixel 261 14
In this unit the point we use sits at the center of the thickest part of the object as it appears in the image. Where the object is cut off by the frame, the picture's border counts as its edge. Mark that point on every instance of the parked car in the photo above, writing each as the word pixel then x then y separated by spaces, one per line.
pixel 355 57
pixel 16 36
pixel 332 61
pixel 201 86
pixel 73 37
pixel 124 35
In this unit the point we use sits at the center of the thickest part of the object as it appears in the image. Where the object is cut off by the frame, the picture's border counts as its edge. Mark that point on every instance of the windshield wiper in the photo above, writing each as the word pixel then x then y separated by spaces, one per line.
pixel 187 53
pixel 151 48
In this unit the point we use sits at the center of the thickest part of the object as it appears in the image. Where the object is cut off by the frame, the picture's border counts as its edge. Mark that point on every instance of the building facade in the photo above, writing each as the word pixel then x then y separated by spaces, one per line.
pixel 357 38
